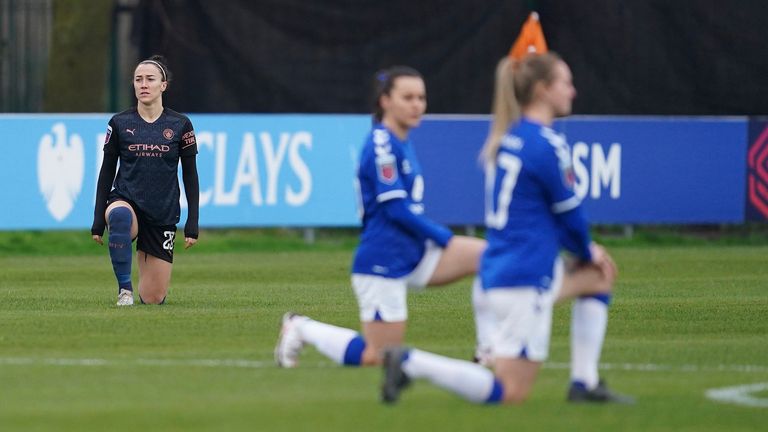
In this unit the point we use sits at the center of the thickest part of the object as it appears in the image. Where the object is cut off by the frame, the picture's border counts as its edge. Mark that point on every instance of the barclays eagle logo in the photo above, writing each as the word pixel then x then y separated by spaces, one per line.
pixel 60 170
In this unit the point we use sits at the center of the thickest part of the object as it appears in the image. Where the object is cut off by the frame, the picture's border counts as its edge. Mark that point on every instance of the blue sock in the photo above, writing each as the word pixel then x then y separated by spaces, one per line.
pixel 497 393
pixel 353 355
pixel 603 298
pixel 579 385
pixel 120 250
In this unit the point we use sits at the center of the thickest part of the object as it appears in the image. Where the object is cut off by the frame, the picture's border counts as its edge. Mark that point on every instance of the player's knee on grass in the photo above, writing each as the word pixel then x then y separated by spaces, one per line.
pixel 515 395
pixel 152 298
pixel 372 356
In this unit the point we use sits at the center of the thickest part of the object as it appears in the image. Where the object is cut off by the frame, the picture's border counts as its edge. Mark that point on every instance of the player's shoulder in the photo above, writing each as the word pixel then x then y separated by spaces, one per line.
pixel 130 114
pixel 380 142
pixel 552 137
pixel 545 141
pixel 177 116
pixel 378 136
pixel 524 138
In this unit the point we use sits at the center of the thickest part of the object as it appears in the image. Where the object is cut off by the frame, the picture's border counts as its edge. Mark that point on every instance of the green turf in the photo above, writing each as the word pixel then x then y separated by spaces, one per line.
pixel 685 319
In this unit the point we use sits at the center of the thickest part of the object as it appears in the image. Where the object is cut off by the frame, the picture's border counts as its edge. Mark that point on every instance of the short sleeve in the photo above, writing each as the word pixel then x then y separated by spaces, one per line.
pixel 188 145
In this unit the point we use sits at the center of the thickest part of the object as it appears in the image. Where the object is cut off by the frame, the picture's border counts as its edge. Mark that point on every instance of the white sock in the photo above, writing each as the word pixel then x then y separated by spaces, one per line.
pixel 588 324
pixel 484 318
pixel 467 379
pixel 330 340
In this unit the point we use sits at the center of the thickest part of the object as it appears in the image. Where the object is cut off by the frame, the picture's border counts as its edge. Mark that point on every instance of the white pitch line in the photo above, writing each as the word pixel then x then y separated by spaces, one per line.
pixel 262 364
pixel 235 363
pixel 740 395
pixel 207 363
pixel 650 367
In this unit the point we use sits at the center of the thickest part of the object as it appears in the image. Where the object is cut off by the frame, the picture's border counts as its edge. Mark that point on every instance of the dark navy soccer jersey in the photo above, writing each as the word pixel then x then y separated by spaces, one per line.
pixel 531 209
pixel 389 171
pixel 149 161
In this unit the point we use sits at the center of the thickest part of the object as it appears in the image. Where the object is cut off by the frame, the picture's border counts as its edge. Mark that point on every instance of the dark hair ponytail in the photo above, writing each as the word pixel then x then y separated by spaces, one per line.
pixel 383 81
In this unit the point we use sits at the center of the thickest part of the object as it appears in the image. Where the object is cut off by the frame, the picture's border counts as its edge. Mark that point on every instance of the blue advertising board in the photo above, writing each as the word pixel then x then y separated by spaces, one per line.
pixel 297 170
pixel 448 150
pixel 278 170
pixel 49 169
pixel 628 170
pixel 255 170
pixel 659 170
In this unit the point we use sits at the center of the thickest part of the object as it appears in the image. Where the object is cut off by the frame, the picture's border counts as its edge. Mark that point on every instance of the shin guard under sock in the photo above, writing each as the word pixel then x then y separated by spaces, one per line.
pixel 120 251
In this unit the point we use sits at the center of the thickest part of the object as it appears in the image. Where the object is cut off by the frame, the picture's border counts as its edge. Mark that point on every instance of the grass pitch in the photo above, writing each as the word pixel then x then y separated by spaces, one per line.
pixel 684 320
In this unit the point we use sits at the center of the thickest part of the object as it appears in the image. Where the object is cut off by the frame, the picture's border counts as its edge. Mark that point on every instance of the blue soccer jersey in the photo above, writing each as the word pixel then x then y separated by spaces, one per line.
pixel 531 209
pixel 391 189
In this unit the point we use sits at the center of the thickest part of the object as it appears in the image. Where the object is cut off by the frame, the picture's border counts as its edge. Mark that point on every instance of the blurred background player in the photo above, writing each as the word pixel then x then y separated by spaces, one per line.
pixel 143 201
pixel 399 247
pixel 531 214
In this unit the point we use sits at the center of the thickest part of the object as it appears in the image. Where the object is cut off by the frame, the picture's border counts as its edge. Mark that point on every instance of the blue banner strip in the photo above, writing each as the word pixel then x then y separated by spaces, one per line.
pixel 297 170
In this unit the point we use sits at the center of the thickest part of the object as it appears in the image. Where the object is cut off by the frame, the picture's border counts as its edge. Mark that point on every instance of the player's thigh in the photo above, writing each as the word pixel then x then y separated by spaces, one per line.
pixel 154 277
pixel 380 299
pixel 520 341
pixel 134 219
pixel 156 240
pixel 521 322
pixel 584 280
pixel 383 313
pixel 460 258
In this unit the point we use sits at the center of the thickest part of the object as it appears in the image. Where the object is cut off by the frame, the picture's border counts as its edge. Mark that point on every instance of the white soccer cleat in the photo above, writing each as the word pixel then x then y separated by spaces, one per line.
pixel 289 344
pixel 125 298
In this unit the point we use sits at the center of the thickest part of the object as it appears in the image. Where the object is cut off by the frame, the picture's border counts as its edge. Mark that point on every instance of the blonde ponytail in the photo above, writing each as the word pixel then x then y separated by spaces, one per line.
pixel 506 109
pixel 514 90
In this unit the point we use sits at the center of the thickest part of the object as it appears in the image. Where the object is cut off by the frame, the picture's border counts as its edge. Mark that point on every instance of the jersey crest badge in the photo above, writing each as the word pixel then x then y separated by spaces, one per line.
pixel 566 168
pixel 386 168
pixel 168 134
pixel 569 178
pixel 109 134
pixel 563 154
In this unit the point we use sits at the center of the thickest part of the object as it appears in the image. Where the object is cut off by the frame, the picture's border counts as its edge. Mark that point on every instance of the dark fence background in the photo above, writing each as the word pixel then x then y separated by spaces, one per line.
pixel 25 33
pixel 697 57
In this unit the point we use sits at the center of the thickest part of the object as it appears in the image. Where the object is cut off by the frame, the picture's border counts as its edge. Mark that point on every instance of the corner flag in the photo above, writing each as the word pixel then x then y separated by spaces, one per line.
pixel 530 40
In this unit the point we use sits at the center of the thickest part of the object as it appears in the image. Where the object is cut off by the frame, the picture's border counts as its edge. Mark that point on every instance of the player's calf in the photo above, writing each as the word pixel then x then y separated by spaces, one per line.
pixel 120 251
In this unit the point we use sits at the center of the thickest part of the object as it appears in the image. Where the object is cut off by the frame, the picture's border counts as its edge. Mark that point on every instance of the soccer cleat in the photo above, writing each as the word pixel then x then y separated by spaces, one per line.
pixel 125 298
pixel 395 380
pixel 289 344
pixel 600 394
